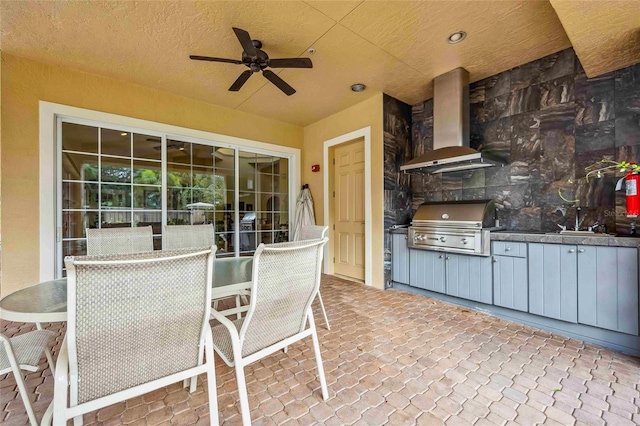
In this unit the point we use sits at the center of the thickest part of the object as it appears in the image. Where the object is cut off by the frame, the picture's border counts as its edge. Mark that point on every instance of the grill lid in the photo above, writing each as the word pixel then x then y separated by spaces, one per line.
pixel 458 214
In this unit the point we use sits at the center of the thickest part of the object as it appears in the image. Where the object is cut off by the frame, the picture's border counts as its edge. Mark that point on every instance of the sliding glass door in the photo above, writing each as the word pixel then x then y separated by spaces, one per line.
pixel 119 177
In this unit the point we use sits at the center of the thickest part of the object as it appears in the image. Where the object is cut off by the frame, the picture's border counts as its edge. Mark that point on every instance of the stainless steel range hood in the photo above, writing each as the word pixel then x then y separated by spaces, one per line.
pixel 451 151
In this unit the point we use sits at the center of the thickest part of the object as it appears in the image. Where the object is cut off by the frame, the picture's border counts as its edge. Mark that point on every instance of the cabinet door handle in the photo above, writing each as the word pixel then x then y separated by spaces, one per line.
pixel 580 250
pixel 507 249
pixel 572 250
pixel 440 257
pixel 494 260
pixel 447 258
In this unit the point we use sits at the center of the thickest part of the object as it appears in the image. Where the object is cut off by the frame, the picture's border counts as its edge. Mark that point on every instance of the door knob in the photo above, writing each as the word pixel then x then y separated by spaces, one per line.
pixel 443 239
pixel 494 260
pixel 572 250
pixel 580 250
pixel 464 241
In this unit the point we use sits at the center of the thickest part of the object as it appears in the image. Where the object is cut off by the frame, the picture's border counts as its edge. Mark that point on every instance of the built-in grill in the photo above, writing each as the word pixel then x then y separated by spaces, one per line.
pixel 453 226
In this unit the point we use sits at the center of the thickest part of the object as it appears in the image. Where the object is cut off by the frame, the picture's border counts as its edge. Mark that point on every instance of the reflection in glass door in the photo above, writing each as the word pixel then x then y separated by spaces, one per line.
pixel 115 178
pixel 263 200
pixel 201 189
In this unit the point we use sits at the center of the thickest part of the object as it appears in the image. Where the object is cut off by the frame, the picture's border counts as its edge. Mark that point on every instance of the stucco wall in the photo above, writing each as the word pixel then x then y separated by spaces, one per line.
pixel 366 113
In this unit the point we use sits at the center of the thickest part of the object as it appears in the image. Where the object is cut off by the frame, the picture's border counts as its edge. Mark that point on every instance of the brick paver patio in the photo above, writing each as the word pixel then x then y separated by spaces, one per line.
pixel 396 358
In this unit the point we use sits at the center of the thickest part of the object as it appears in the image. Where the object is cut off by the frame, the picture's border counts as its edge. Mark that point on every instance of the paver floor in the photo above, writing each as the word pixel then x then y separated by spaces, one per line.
pixel 395 358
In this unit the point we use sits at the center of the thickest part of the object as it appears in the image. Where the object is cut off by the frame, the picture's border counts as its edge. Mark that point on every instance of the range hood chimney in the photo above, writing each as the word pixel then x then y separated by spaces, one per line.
pixel 451 151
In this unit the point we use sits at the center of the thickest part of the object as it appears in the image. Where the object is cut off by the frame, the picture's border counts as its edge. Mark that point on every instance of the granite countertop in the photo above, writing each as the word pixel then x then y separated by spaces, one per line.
pixel 554 238
pixel 590 240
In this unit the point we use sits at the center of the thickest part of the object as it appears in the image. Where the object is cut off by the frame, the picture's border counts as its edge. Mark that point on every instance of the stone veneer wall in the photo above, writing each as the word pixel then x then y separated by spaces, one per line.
pixel 548 121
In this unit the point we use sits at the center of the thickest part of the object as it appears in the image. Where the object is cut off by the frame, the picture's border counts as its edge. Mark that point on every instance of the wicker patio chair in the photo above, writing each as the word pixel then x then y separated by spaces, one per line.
pixel 119 240
pixel 286 278
pixel 194 236
pixel 23 352
pixel 135 323
pixel 314 232
pixel 188 236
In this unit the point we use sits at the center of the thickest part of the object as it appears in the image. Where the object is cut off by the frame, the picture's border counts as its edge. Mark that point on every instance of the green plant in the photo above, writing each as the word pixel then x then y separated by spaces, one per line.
pixel 601 168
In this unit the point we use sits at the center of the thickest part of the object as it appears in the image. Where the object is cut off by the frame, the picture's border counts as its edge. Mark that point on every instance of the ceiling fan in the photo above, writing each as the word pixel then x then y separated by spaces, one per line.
pixel 257 60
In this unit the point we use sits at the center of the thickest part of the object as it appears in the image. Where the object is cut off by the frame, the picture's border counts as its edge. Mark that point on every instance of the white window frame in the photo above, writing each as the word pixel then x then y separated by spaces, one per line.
pixel 50 167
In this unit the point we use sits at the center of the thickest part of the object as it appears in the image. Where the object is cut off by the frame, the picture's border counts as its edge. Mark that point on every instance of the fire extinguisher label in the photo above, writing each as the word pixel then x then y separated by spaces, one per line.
pixel 632 187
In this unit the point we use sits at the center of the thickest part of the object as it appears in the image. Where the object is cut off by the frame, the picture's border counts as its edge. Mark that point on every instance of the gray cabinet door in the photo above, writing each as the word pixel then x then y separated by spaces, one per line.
pixel 608 288
pixel 510 282
pixel 399 258
pixel 469 277
pixel 426 270
pixel 553 281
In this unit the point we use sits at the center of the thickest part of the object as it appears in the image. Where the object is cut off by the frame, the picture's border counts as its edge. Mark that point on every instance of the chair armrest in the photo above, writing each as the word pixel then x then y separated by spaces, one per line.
pixel 224 321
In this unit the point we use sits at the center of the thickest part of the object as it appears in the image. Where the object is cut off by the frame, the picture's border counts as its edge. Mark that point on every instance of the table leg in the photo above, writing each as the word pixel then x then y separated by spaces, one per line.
pixel 47 353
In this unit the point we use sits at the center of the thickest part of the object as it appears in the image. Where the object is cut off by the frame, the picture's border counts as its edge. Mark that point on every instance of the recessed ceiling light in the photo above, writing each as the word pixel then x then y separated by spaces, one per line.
pixel 456 37
pixel 358 87
pixel 123 134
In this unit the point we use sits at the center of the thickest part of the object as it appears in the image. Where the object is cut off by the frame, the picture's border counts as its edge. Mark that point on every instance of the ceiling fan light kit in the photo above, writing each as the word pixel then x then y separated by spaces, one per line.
pixel 258 61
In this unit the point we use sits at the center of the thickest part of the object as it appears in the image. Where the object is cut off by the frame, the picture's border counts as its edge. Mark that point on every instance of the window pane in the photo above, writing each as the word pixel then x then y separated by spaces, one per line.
pixel 178 198
pixel 265 221
pixel 266 182
pixel 115 196
pixel 76 137
pixel 76 195
pixel 281 236
pixel 229 201
pixel 223 221
pixel 147 147
pixel 147 172
pixel 266 237
pixel 74 223
pixel 281 167
pixel 225 243
pixel 178 175
pixel 202 155
pixel 178 152
pixel 153 219
pixel 115 142
pixel 79 167
pixel 147 197
pixel 115 170
pixel 179 218
pixel 74 248
pixel 247 241
pixel 116 219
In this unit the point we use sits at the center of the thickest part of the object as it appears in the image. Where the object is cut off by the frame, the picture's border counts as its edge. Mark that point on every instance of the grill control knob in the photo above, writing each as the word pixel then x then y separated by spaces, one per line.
pixel 443 239
pixel 464 241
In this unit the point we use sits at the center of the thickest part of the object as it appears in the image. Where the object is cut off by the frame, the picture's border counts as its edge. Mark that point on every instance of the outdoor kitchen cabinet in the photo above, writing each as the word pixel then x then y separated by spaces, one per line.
pixel 608 288
pixel 510 283
pixel 553 281
pixel 426 270
pixel 399 258
pixel 469 277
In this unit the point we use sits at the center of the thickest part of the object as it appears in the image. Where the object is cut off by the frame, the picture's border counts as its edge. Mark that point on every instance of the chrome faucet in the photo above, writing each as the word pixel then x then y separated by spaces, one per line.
pixel 577 227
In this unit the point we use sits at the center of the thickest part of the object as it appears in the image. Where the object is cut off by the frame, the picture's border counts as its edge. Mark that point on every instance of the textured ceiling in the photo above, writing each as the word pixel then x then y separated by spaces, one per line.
pixel 396 47
pixel 604 34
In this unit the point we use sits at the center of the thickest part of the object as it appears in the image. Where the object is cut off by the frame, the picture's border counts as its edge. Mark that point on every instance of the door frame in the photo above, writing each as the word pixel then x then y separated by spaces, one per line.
pixel 365 133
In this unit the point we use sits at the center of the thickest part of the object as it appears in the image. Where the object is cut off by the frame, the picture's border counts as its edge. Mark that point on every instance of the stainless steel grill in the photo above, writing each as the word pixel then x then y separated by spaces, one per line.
pixel 453 226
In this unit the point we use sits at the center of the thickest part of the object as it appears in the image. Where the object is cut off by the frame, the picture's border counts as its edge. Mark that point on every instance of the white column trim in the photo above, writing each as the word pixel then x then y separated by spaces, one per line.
pixel 365 133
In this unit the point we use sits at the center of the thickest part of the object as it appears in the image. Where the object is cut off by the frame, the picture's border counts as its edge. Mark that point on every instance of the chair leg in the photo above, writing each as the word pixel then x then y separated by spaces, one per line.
pixel 316 349
pixel 324 312
pixel 25 397
pixel 242 392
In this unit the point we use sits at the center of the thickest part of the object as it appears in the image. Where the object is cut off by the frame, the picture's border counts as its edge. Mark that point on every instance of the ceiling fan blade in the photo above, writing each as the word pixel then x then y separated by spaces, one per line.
pixel 210 59
pixel 291 63
pixel 240 81
pixel 280 83
pixel 245 40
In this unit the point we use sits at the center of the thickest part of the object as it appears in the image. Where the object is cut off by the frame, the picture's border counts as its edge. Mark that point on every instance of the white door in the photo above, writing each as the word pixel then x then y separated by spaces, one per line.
pixel 348 238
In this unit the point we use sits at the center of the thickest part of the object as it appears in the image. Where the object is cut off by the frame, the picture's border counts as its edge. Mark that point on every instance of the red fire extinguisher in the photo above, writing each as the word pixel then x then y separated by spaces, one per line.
pixel 632 184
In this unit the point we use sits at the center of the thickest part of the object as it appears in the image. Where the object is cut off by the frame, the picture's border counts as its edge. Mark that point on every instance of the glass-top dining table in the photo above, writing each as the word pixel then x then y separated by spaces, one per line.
pixel 47 301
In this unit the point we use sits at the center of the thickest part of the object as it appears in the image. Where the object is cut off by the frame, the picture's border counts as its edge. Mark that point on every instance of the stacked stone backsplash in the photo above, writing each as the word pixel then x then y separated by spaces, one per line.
pixel 547 121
